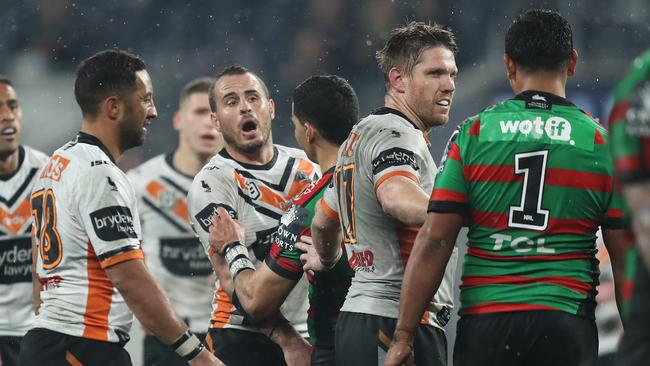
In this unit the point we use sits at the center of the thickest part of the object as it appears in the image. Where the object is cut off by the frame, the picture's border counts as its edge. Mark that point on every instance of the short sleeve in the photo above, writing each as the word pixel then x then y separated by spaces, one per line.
pixel 207 193
pixel 449 193
pixel 397 151
pixel 329 202
pixel 109 215
pixel 617 215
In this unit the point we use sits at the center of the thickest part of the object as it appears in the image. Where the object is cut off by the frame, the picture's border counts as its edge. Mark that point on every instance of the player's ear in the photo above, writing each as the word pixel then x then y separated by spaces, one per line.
pixel 112 107
pixel 396 80
pixel 177 120
pixel 573 62
pixel 215 121
pixel 272 108
pixel 511 67
pixel 310 132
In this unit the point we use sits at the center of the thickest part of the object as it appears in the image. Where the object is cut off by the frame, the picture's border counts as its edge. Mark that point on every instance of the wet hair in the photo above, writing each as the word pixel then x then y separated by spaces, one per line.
pixel 228 71
pixel 200 85
pixel 106 73
pixel 406 44
pixel 329 103
pixel 540 39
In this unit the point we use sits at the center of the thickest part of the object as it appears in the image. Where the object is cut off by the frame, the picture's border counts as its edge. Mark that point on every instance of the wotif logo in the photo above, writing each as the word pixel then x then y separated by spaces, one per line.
pixel 556 128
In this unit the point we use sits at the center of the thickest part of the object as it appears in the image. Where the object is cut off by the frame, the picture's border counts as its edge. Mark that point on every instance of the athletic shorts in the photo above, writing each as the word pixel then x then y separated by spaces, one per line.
pixel 635 345
pixel 156 353
pixel 44 347
pixel 9 350
pixel 236 347
pixel 364 339
pixel 323 356
pixel 527 338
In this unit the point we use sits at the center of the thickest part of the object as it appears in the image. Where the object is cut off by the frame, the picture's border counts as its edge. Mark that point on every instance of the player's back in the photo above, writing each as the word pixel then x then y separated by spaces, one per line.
pixel 536 176
pixel 84 209
pixel 383 145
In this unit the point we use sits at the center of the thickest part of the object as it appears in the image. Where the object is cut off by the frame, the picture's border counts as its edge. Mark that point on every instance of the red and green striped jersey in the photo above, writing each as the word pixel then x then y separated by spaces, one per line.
pixel 533 177
pixel 629 123
pixel 327 290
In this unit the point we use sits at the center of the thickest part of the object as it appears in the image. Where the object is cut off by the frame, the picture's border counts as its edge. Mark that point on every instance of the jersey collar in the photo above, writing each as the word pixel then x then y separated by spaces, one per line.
pixel 535 96
pixel 387 110
pixel 84 138
pixel 266 166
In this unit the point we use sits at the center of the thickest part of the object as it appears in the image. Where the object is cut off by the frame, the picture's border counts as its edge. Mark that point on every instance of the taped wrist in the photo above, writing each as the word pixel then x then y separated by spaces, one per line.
pixel 236 256
pixel 187 346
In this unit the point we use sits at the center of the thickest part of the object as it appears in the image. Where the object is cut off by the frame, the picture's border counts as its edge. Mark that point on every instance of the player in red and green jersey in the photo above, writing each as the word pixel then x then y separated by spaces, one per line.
pixel 324 110
pixel 629 124
pixel 532 176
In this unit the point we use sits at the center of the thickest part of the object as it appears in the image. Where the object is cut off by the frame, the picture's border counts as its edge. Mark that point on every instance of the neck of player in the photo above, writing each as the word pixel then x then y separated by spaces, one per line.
pixel 9 163
pixel 548 82
pixel 326 156
pixel 395 102
pixel 187 161
pixel 260 156
pixel 108 136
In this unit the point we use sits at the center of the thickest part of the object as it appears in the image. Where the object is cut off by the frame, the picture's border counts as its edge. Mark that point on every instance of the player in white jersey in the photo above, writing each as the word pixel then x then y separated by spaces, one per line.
pixel 255 181
pixel 87 231
pixel 383 178
pixel 19 165
pixel 173 254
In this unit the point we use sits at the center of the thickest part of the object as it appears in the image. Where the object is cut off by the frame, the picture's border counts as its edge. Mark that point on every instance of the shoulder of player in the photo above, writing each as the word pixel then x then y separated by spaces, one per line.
pixel 148 168
pixel 291 152
pixel 35 157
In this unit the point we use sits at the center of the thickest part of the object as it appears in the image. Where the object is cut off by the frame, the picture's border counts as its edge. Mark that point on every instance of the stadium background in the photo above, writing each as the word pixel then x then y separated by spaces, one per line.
pixel 285 41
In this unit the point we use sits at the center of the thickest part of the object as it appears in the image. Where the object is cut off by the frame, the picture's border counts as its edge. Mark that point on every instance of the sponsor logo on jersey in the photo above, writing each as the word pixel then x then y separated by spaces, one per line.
pixel 362 261
pixel 184 257
pixel 638 115
pixel 556 128
pixel 99 162
pixel 54 168
pixel 113 223
pixel 520 244
pixel 16 260
pixel 292 224
pixel 205 216
pixel 392 158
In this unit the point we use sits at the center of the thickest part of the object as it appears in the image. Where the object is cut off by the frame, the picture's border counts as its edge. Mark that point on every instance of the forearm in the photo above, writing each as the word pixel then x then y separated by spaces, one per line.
pixel 146 300
pixel 326 236
pixel 222 273
pixel 36 281
pixel 425 269
pixel 617 243
pixel 403 200
pixel 638 200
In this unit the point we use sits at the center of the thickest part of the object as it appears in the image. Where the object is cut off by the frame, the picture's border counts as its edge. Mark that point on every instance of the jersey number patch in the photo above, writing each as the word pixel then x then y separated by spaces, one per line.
pixel 530 214
pixel 344 177
pixel 44 213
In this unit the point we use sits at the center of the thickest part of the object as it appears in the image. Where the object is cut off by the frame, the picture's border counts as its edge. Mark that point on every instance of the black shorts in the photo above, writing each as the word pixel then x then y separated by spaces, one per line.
pixel 236 347
pixel 156 353
pixel 526 338
pixel 44 347
pixel 9 350
pixel 363 340
pixel 635 345
pixel 323 356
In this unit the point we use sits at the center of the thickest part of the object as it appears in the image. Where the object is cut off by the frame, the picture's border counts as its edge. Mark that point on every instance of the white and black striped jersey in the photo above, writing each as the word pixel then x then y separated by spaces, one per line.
pixel 257 196
pixel 85 220
pixel 16 310
pixel 173 253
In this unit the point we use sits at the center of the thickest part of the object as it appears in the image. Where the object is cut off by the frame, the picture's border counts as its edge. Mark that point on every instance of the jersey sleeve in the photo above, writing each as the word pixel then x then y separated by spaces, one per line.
pixel 617 215
pixel 397 151
pixel 207 193
pixel 449 193
pixel 109 214
pixel 329 202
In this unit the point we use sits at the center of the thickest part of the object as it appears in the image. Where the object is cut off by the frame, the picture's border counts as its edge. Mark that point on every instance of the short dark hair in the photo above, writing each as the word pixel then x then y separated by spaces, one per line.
pixel 406 44
pixel 228 71
pixel 200 85
pixel 329 103
pixel 106 73
pixel 5 80
pixel 540 39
